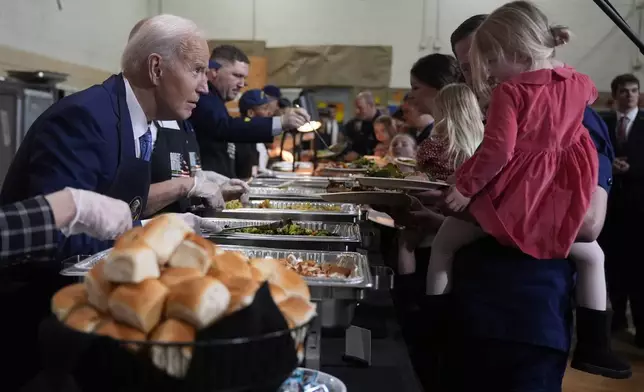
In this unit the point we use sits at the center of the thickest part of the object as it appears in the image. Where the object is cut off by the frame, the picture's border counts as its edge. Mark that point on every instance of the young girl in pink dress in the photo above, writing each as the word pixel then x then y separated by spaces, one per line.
pixel 530 183
pixel 455 137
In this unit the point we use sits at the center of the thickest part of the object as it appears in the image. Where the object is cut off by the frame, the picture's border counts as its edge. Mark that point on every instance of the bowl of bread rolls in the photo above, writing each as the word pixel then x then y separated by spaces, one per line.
pixel 169 310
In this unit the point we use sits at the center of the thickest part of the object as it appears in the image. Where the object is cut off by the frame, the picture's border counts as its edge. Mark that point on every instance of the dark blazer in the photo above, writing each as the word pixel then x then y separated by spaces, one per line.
pixel 629 187
pixel 82 141
pixel 215 128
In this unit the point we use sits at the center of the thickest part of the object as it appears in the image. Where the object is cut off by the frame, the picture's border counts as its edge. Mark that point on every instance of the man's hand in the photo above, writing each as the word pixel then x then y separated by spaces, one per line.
pixel 93 214
pixel 207 190
pixel 215 177
pixel 236 189
pixel 294 118
pixel 455 201
pixel 620 165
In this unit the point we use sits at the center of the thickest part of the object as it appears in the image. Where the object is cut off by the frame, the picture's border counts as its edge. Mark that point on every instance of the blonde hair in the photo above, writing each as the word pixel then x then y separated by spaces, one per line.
pixel 461 125
pixel 389 124
pixel 518 32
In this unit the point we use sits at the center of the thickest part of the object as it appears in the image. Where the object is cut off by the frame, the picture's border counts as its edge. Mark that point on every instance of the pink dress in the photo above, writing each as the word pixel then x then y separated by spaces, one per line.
pixel 533 176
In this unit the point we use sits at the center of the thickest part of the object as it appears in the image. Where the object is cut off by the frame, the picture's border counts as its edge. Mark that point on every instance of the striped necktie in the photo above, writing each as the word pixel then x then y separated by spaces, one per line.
pixel 145 142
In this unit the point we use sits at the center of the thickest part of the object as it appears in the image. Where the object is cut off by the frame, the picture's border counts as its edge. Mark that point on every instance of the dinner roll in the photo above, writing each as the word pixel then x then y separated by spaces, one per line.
pixel 98 287
pixel 68 298
pixel 139 305
pixel 277 292
pixel 291 282
pixel 230 264
pixel 199 301
pixel 84 319
pixel 267 268
pixel 131 260
pixel 164 234
pixel 171 276
pixel 297 311
pixel 193 252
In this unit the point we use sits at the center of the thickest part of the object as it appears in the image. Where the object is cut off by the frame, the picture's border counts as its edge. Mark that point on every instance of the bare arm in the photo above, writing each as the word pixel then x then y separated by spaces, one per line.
pixel 595 216
pixel 165 193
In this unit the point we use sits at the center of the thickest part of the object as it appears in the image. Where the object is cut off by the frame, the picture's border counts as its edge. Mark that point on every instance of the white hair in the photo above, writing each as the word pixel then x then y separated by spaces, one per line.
pixel 165 35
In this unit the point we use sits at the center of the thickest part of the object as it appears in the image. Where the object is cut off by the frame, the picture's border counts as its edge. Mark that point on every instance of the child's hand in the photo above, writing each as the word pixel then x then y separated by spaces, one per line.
pixel 455 200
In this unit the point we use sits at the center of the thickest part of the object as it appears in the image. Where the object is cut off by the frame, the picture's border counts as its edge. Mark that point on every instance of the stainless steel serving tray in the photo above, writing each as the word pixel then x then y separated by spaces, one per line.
pixel 348 237
pixel 281 209
pixel 305 182
pixel 360 279
pixel 290 193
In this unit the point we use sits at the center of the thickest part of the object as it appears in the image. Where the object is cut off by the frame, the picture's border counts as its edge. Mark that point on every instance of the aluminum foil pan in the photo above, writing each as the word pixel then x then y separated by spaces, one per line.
pixel 288 205
pixel 290 192
pixel 346 232
pixel 360 276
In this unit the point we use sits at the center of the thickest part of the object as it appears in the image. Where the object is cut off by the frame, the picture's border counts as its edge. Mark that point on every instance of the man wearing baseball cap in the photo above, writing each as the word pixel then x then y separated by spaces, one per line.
pixel 253 103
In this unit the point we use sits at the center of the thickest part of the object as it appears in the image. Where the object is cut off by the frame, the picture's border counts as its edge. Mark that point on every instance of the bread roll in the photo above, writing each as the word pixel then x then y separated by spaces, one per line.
pixel 164 234
pixel 198 301
pixel 139 305
pixel 98 287
pixel 277 292
pixel 131 260
pixel 256 274
pixel 171 276
pixel 68 298
pixel 175 360
pixel 291 282
pixel 193 252
pixel 84 318
pixel 242 293
pixel 120 331
pixel 267 268
pixel 230 264
pixel 297 311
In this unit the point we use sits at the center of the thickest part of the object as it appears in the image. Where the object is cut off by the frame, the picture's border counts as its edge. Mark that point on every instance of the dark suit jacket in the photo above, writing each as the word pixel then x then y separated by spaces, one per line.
pixel 215 128
pixel 75 143
pixel 628 191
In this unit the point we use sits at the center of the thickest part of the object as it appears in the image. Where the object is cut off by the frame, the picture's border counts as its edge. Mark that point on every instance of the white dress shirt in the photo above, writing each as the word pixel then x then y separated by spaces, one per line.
pixel 631 115
pixel 139 120
pixel 263 155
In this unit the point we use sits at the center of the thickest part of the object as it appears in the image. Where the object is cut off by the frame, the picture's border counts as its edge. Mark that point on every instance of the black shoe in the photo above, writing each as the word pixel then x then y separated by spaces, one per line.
pixel 593 353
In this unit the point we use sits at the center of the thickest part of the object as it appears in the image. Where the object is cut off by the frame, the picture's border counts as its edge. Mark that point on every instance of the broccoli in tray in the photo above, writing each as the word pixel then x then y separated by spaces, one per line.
pixel 292 229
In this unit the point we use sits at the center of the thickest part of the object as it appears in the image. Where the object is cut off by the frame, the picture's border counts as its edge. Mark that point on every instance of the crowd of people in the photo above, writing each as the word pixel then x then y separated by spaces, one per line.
pixel 486 270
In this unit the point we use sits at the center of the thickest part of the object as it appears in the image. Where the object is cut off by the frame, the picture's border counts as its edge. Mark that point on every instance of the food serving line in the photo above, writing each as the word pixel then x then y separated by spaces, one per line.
pixel 296 199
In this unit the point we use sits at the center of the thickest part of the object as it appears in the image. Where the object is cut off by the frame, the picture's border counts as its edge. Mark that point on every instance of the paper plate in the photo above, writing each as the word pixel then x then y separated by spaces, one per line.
pixel 405 161
pixel 308 378
pixel 381 218
pixel 374 198
pixel 400 183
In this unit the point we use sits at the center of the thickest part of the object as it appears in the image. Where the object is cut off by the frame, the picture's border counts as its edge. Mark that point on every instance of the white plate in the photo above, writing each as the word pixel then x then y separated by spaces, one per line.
pixel 374 198
pixel 333 384
pixel 400 183
pixel 405 161
pixel 381 218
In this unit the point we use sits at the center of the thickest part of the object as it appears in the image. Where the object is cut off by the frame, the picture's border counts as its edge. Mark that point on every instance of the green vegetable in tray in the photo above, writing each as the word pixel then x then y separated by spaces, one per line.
pixel 233 204
pixel 292 229
pixel 388 171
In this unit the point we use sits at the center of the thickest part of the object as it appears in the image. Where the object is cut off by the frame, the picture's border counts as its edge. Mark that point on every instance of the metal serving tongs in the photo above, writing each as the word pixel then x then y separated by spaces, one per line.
pixel 272 225
pixel 314 129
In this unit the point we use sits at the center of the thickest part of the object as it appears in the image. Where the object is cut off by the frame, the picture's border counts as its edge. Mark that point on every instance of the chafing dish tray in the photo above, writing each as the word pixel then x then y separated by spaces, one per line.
pixel 290 193
pixel 309 182
pixel 347 235
pixel 360 277
pixel 280 209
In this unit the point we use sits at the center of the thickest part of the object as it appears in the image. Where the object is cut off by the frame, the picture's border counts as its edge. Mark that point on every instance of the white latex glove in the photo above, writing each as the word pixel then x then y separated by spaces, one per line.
pixel 236 189
pixel 98 216
pixel 200 224
pixel 209 190
pixel 215 177
pixel 294 118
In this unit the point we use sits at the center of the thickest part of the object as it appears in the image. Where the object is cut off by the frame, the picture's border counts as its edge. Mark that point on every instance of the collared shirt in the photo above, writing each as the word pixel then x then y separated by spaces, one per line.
pixel 631 115
pixel 138 118
pixel 27 230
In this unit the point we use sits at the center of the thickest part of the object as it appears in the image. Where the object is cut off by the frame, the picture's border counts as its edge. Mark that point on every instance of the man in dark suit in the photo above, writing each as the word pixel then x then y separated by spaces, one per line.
pixel 100 139
pixel 359 130
pixel 626 205
pixel 216 130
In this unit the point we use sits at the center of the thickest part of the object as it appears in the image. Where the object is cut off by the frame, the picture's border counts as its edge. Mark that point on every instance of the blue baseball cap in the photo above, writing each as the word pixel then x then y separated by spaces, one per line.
pixel 251 99
pixel 212 64
pixel 273 91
